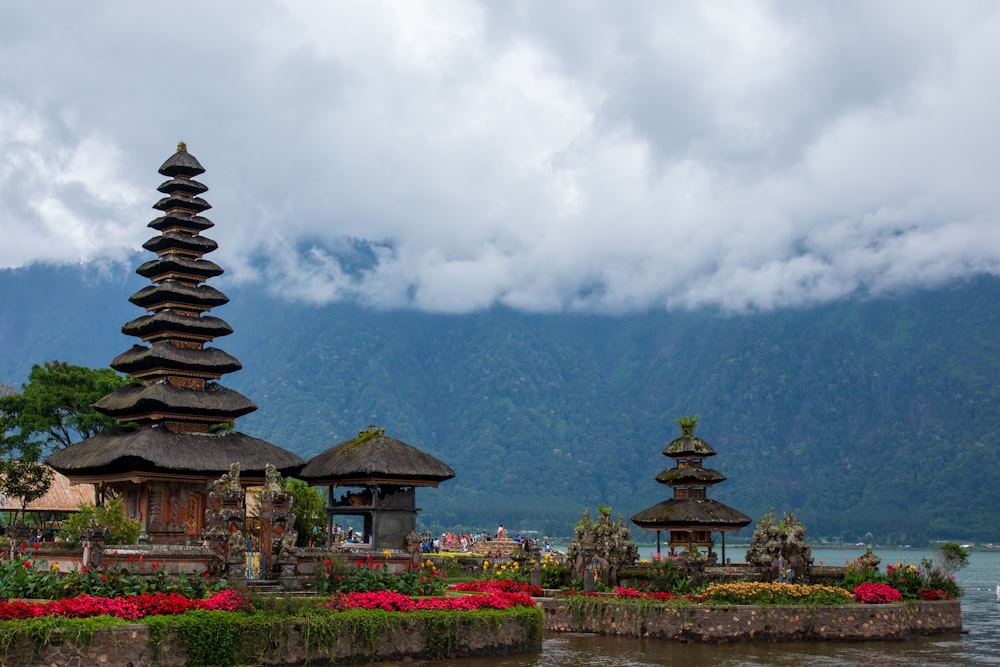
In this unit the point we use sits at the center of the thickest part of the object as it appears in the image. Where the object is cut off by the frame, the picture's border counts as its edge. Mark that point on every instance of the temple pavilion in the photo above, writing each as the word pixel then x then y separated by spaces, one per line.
pixel 378 476
pixel 690 516
pixel 175 422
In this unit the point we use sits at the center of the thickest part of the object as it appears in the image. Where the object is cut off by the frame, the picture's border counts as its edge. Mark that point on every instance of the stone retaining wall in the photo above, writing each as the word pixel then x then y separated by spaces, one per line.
pixel 745 623
pixel 129 646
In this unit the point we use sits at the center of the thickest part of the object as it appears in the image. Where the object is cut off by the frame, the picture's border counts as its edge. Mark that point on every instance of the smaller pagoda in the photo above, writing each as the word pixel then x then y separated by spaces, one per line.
pixel 379 475
pixel 690 516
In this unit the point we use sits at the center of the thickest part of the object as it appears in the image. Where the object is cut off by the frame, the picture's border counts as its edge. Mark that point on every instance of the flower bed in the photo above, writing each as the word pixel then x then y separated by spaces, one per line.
pixel 128 607
pixel 497 585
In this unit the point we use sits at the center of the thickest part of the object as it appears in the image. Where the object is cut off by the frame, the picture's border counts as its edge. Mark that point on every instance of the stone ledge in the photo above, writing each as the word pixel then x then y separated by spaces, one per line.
pixel 411 637
pixel 704 623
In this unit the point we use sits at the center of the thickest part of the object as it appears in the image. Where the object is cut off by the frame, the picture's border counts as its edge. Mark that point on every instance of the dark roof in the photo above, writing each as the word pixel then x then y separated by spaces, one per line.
pixel 163 397
pixel 178 241
pixel 688 445
pixel 690 475
pixel 373 458
pixel 183 202
pixel 158 451
pixel 181 163
pixel 185 186
pixel 171 291
pixel 180 220
pixel 169 322
pixel 687 513
pixel 171 263
pixel 166 356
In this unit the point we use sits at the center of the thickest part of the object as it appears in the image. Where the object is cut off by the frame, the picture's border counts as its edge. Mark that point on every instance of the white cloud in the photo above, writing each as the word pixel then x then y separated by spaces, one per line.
pixel 544 156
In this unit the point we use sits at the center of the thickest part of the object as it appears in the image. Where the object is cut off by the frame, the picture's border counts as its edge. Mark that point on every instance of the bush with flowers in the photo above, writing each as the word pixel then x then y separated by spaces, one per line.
pixel 760 593
pixel 373 574
pixel 497 586
pixel 874 593
pixel 23 577
pixel 510 570
pixel 554 573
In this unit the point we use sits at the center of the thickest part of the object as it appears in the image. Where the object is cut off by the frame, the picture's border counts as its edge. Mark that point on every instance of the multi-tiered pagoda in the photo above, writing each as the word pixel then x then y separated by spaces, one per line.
pixel 690 516
pixel 175 421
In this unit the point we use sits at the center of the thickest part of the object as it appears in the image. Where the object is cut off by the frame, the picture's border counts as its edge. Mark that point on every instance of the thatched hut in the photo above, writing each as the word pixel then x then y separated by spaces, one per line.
pixel 690 516
pixel 379 476
pixel 175 421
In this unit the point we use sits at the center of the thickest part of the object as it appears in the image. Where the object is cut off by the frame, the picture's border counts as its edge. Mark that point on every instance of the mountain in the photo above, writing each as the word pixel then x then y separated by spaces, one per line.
pixel 875 415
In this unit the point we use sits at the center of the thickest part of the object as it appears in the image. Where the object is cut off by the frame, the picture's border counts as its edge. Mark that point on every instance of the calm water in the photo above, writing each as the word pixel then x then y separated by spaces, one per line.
pixel 980 645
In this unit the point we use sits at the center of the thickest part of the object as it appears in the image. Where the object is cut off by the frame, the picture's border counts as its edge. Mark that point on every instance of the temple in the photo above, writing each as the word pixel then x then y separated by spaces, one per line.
pixel 690 516
pixel 175 422
pixel 379 475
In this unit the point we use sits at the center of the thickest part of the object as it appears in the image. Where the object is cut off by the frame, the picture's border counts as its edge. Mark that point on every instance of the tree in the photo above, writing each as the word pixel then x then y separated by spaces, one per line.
pixel 55 406
pixel 952 557
pixel 309 507
pixel 12 439
pixel 26 480
pixel 110 515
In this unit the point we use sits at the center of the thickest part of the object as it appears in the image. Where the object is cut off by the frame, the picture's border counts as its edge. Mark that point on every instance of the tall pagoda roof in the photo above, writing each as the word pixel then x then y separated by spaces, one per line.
pixel 374 458
pixel 174 419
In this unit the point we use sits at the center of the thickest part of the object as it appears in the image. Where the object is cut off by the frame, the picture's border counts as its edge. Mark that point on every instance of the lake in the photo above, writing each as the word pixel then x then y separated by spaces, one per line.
pixel 979 645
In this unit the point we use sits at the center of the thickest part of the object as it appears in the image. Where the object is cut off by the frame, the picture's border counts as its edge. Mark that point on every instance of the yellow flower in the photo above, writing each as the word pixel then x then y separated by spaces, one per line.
pixel 386 553
pixel 54 567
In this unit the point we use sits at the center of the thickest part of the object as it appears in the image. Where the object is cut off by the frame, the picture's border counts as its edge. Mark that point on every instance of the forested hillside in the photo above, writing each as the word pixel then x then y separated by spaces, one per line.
pixel 878 415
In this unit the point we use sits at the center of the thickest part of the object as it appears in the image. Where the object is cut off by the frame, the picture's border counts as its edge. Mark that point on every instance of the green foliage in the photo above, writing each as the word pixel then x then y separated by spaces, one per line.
pixel 110 515
pixel 664 575
pixel 24 480
pixel 577 407
pixel 55 404
pixel 952 557
pixel 309 507
pixel 859 571
pixel 20 578
pixel 39 631
pixel 372 574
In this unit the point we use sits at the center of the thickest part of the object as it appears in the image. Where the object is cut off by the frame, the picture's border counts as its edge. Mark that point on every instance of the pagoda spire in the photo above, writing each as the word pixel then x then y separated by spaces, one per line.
pixel 175 368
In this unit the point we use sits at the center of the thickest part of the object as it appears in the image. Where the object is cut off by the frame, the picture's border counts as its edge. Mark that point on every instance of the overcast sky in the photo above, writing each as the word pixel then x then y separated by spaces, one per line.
pixel 548 156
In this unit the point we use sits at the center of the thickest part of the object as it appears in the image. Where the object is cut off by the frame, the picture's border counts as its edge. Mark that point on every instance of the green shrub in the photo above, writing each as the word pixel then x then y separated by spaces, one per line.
pixel 110 515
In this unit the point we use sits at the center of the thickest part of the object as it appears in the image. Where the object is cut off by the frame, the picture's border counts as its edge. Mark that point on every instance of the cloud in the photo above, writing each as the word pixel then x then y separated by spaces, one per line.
pixel 544 156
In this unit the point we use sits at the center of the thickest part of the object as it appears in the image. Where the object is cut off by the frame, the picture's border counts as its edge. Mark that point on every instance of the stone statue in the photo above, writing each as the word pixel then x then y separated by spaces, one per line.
pixel 781 548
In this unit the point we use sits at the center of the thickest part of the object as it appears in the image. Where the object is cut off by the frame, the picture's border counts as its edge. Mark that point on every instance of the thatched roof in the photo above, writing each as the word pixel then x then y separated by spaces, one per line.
pixel 171 291
pixel 61 497
pixel 180 220
pixel 689 513
pixel 163 397
pixel 688 445
pixel 690 475
pixel 122 453
pixel 174 200
pixel 373 458
pixel 179 241
pixel 174 263
pixel 181 163
pixel 185 186
pixel 169 322
pixel 166 356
